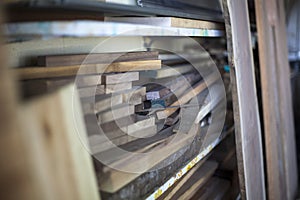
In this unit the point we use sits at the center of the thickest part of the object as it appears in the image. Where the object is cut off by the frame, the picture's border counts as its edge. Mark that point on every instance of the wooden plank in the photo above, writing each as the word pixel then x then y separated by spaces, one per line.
pixel 88 80
pixel 39 87
pixel 115 112
pixel 56 166
pixel 201 86
pixel 73 70
pixel 247 122
pixel 198 178
pixel 78 59
pixel 277 103
pixel 167 71
pixel 142 124
pixel 101 103
pixel 100 142
pixel 120 77
pixel 134 96
pixel 114 179
pixel 112 88
pixel 168 22
pixel 91 91
pixel 215 188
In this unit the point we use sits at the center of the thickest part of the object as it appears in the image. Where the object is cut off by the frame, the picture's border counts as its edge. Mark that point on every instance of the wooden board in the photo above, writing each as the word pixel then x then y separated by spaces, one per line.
pixel 281 163
pixel 119 77
pixel 168 22
pixel 166 71
pixel 134 96
pixel 101 103
pixel 73 70
pixel 201 86
pixel 113 180
pixel 279 129
pixel 112 88
pixel 88 80
pixel 115 112
pixel 246 115
pixel 39 87
pixel 142 124
pixel 78 59
pixel 215 188
pixel 56 166
pixel 91 91
pixel 197 178
pixel 100 142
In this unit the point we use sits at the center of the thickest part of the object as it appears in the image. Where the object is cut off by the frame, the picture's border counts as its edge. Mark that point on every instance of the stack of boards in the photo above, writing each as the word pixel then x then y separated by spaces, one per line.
pixel 134 101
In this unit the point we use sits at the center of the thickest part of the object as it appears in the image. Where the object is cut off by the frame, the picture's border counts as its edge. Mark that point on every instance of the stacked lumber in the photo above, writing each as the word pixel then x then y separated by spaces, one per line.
pixel 138 111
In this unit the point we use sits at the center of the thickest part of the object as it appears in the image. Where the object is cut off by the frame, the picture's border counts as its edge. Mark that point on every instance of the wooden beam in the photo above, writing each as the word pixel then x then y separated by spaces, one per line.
pixel 246 116
pixel 95 58
pixel 201 86
pixel 277 104
pixel 120 77
pixel 73 70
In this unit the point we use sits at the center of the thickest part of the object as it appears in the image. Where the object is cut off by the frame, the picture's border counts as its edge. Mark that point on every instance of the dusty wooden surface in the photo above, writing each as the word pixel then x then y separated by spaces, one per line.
pixel 248 130
pixel 277 104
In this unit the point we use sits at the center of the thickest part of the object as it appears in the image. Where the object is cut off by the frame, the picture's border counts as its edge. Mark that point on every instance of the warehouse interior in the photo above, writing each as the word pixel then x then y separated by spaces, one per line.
pixel 149 99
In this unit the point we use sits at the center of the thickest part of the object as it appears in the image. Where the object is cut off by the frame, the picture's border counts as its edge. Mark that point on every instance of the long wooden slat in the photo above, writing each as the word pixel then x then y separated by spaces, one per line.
pixel 96 58
pixel 168 22
pixel 201 86
pixel 120 77
pixel 277 103
pixel 61 71
pixel 246 116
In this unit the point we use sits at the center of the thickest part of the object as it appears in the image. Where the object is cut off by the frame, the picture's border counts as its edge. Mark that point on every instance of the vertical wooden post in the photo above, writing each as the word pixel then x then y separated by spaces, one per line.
pixel 277 104
pixel 246 115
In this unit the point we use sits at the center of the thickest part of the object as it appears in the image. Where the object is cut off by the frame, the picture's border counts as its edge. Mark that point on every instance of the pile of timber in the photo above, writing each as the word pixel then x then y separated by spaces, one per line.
pixel 131 101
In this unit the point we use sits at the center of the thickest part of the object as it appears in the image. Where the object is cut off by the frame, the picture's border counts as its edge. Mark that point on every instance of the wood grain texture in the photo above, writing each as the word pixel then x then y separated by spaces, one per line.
pixel 167 71
pixel 73 70
pixel 91 91
pixel 118 87
pixel 201 86
pixel 277 103
pixel 168 22
pixel 120 77
pixel 181 182
pixel 113 179
pixel 78 59
pixel 199 179
pixel 248 139
pixel 100 143
pixel 194 183
pixel 51 165
pixel 115 112
pixel 215 188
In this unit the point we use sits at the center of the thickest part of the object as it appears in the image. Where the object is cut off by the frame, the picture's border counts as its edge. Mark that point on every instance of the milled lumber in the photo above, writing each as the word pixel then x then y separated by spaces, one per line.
pixel 73 70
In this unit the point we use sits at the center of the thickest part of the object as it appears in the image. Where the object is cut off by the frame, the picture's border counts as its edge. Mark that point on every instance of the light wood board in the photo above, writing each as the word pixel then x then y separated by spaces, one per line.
pixel 73 70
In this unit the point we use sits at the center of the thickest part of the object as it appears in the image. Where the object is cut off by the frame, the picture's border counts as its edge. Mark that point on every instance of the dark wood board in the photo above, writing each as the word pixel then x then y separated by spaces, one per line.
pixel 277 104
